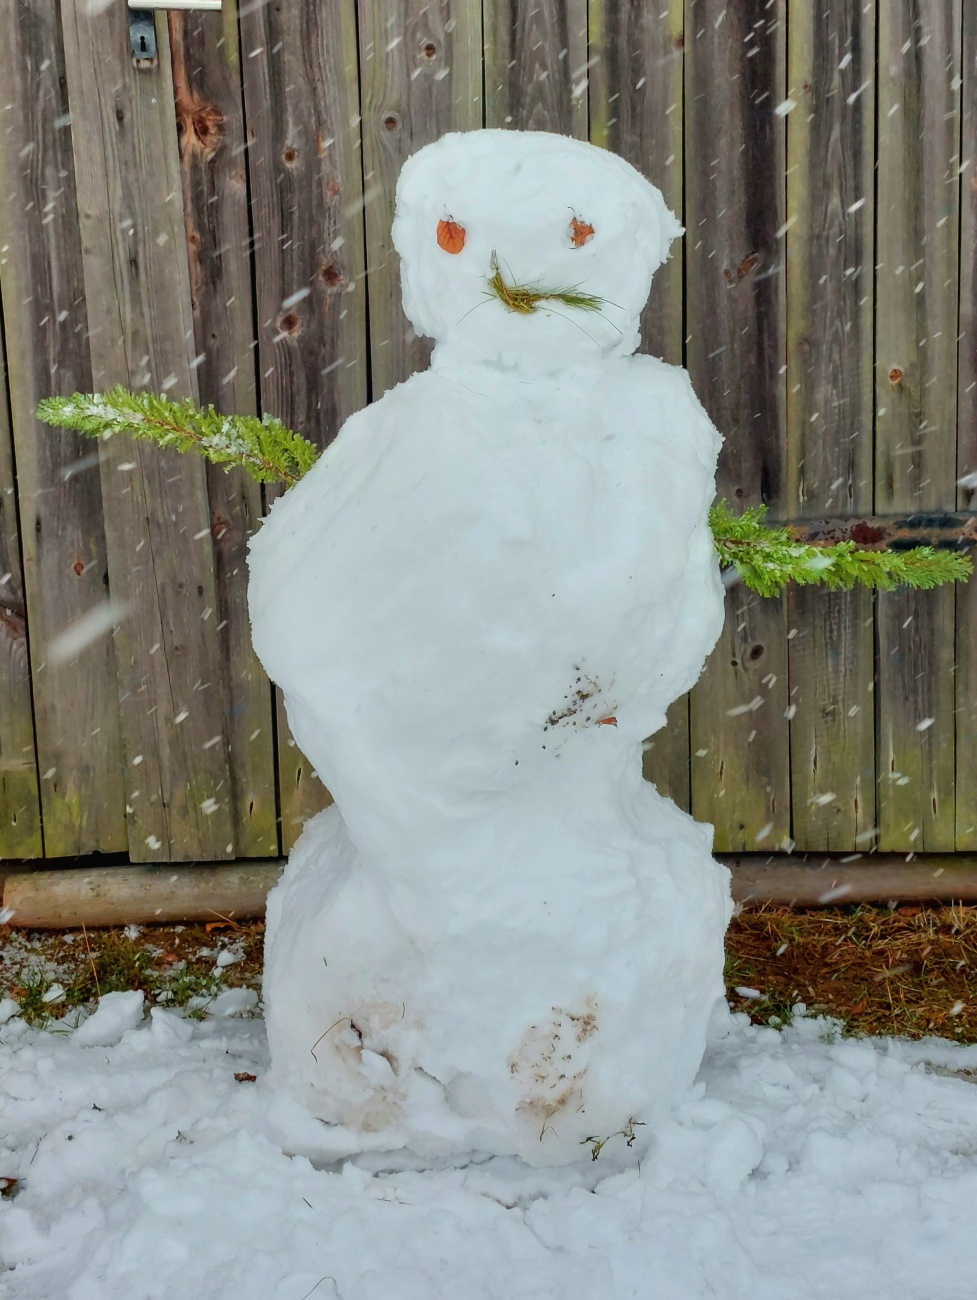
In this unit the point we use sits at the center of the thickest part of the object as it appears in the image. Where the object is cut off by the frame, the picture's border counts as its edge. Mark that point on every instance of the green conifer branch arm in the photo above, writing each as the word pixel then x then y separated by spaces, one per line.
pixel 766 559
pixel 264 447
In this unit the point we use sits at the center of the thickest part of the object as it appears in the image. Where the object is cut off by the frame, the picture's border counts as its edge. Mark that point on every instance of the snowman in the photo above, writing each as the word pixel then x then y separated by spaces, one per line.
pixel 479 603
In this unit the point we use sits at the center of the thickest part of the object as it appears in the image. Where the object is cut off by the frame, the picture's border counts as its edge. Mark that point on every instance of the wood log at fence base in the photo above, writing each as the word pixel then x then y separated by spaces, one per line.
pixel 817 881
pixel 69 898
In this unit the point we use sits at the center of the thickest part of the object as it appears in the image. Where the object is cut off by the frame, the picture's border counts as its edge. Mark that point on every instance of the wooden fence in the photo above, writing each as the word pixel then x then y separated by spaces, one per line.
pixel 218 225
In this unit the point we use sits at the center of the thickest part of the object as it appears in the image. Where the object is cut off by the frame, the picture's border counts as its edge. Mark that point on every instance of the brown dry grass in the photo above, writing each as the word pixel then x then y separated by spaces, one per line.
pixel 909 971
pixel 524 299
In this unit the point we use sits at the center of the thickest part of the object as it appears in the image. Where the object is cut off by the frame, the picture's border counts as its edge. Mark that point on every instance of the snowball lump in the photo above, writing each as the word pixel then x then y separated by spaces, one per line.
pixel 115 1015
pixel 516 196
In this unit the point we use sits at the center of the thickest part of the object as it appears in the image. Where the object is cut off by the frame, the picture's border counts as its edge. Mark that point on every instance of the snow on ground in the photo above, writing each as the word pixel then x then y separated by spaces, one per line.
pixel 802 1166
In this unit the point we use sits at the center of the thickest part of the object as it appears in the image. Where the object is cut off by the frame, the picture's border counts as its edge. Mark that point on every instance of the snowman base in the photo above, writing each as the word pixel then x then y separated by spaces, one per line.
pixel 544 1025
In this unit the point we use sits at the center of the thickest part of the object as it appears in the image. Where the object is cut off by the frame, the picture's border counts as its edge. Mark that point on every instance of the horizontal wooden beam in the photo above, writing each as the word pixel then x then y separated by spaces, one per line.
pixel 816 881
pixel 69 898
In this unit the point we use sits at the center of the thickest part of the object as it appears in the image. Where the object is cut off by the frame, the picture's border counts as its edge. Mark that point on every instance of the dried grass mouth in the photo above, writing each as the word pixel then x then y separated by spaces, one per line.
pixel 524 299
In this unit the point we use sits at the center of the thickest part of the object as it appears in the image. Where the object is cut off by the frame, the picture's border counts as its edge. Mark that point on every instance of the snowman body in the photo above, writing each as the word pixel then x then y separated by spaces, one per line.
pixel 479 603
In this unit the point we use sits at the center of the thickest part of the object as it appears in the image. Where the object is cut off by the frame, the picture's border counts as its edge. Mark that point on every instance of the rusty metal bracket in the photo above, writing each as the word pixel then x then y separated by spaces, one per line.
pixel 955 530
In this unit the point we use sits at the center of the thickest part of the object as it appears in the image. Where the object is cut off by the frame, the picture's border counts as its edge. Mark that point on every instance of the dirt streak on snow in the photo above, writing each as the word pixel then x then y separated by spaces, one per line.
pixel 800 1166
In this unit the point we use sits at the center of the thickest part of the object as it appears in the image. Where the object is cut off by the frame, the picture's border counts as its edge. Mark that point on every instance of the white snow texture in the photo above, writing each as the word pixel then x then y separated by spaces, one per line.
pixel 115 1015
pixel 797 1167
pixel 479 603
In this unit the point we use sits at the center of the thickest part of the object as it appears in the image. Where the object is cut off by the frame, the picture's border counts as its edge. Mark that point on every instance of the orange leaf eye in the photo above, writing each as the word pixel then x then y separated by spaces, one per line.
pixel 451 236
pixel 580 232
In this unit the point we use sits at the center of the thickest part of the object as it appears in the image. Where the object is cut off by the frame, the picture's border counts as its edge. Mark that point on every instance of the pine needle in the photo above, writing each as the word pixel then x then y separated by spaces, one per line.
pixel 263 447
pixel 767 559
pixel 524 300
pixel 88 949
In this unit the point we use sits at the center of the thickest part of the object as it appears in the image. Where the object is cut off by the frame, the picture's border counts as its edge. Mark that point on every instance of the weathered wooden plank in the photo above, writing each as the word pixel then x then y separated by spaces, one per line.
pixel 537 65
pixel 830 255
pixel 916 328
pixel 734 193
pixel 420 76
pixel 303 162
pixel 966 596
pixel 210 123
pixel 65 570
pixel 20 805
pixel 635 98
pixel 157 520
pixel 666 760
pixel 304 169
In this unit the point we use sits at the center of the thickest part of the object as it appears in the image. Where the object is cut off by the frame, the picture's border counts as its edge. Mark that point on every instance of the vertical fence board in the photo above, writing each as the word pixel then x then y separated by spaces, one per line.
pixel 966 596
pixel 536 65
pixel 734 205
pixel 420 76
pixel 303 161
pixel 306 183
pixel 157 520
pixel 210 124
pixel 636 95
pixel 830 367
pixel 20 808
pixel 916 328
pixel 59 495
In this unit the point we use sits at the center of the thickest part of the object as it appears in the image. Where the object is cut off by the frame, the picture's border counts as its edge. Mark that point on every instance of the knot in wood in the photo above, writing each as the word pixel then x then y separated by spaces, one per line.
pixel 200 126
pixel 332 275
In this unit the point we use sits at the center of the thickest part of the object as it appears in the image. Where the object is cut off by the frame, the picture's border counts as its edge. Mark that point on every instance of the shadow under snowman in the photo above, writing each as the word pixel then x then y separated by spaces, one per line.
pixel 479 602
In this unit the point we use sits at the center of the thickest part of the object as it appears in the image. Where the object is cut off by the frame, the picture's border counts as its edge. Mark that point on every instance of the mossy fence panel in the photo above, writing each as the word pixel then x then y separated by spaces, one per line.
pixel 214 221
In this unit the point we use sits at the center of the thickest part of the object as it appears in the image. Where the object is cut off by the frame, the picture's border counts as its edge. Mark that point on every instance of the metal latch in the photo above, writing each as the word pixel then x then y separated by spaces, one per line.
pixel 142 38
pixel 142 26
pixel 174 4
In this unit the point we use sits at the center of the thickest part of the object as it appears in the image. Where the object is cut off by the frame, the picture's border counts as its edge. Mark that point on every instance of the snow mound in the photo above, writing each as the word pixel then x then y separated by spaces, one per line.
pixel 115 1015
pixel 799 1166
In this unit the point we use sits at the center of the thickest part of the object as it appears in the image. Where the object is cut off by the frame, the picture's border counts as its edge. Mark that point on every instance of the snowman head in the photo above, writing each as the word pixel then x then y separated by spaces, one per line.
pixel 497 229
